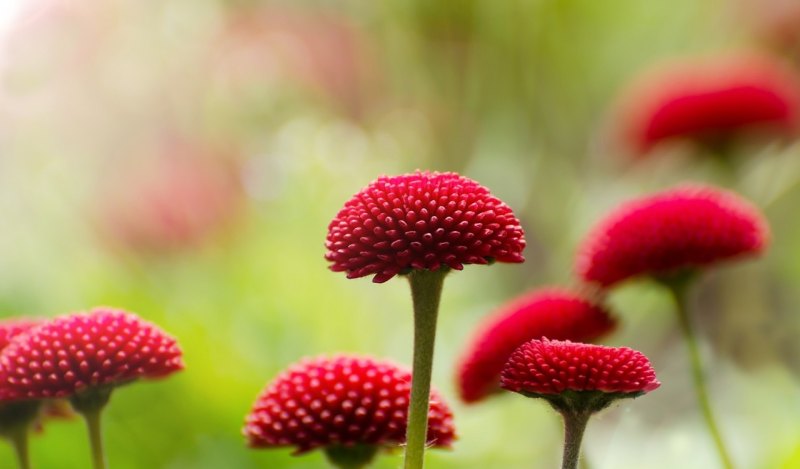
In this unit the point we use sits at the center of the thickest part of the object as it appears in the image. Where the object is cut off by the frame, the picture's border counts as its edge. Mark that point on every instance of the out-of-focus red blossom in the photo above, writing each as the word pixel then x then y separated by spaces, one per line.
pixel 711 101
pixel 688 227
pixel 421 220
pixel 324 52
pixel 344 400
pixel 69 354
pixel 181 196
pixel 554 313
pixel 542 367
pixel 11 328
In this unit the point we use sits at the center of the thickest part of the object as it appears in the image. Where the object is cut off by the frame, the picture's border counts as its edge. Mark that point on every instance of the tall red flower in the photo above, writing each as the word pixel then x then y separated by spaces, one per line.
pixel 711 101
pixel 73 353
pixel 555 313
pixel 543 367
pixel 341 401
pixel 688 227
pixel 421 220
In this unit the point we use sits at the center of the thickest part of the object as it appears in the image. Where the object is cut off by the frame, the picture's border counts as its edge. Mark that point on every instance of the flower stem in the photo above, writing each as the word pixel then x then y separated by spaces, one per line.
pixel 574 426
pixel 678 291
pixel 19 440
pixel 95 438
pixel 426 290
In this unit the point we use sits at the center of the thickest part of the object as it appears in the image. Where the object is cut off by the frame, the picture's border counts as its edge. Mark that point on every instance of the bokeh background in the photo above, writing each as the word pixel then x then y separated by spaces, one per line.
pixel 182 159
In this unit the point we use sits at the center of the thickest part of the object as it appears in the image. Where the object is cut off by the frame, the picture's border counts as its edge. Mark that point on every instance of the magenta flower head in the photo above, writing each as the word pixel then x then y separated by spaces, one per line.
pixel 11 328
pixel 577 380
pixel 711 101
pixel 83 357
pixel 421 220
pixel 349 406
pixel 551 312
pixel 672 232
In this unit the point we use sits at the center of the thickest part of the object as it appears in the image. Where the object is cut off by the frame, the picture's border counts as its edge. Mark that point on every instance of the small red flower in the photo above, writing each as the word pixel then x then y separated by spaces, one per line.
pixel 85 350
pixel 554 313
pixel 11 328
pixel 683 228
pixel 711 101
pixel 341 401
pixel 543 367
pixel 421 220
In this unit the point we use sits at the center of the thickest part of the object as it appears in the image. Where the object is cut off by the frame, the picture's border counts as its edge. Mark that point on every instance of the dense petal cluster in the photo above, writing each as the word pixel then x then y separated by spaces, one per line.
pixel 711 101
pixel 422 220
pixel 105 347
pixel 682 228
pixel 552 367
pixel 553 313
pixel 343 400
pixel 11 328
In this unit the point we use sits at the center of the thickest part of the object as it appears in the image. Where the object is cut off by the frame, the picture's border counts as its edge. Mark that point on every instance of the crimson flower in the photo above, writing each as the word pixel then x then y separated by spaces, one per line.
pixel 11 328
pixel 344 401
pixel 421 220
pixel 554 366
pixel 684 228
pixel 71 353
pixel 711 101
pixel 555 313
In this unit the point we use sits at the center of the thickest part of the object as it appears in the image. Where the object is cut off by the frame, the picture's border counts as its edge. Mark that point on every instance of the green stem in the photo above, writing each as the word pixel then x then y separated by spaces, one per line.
pixel 92 418
pixel 574 426
pixel 680 297
pixel 19 440
pixel 426 290
pixel 351 457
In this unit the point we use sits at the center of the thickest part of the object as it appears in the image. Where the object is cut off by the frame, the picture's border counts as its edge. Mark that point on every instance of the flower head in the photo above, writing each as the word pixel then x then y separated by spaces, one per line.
pixel 554 313
pixel 711 101
pixel 11 328
pixel 421 220
pixel 683 228
pixel 341 401
pixel 547 367
pixel 69 354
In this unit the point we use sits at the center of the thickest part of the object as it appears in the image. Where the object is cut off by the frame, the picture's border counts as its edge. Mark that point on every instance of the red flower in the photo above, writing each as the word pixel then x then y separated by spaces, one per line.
pixel 554 313
pixel 543 367
pixel 11 328
pixel 341 401
pixel 421 220
pixel 711 101
pixel 72 353
pixel 683 228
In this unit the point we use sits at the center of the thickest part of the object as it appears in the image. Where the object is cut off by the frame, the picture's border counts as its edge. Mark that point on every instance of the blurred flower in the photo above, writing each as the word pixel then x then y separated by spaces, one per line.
pixel 554 313
pixel 13 327
pixel 543 367
pixel 679 229
pixel 775 22
pixel 711 101
pixel 179 197
pixel 421 220
pixel 72 354
pixel 344 401
pixel 323 52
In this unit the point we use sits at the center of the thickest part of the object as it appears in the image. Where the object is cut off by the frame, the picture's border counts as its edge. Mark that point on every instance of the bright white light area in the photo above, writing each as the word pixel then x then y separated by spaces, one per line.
pixel 10 10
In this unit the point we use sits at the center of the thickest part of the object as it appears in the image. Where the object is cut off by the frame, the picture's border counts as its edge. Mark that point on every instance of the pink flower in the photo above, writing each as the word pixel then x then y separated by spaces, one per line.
pixel 11 328
pixel 685 228
pixel 711 101
pixel 554 313
pixel 341 401
pixel 71 353
pixel 421 220
pixel 543 367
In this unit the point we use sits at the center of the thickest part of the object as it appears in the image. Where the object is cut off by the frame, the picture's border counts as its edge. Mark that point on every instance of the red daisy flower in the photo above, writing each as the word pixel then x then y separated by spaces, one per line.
pixel 421 220
pixel 11 328
pixel 711 101
pixel 341 401
pixel 546 367
pixel 554 313
pixel 683 228
pixel 71 353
